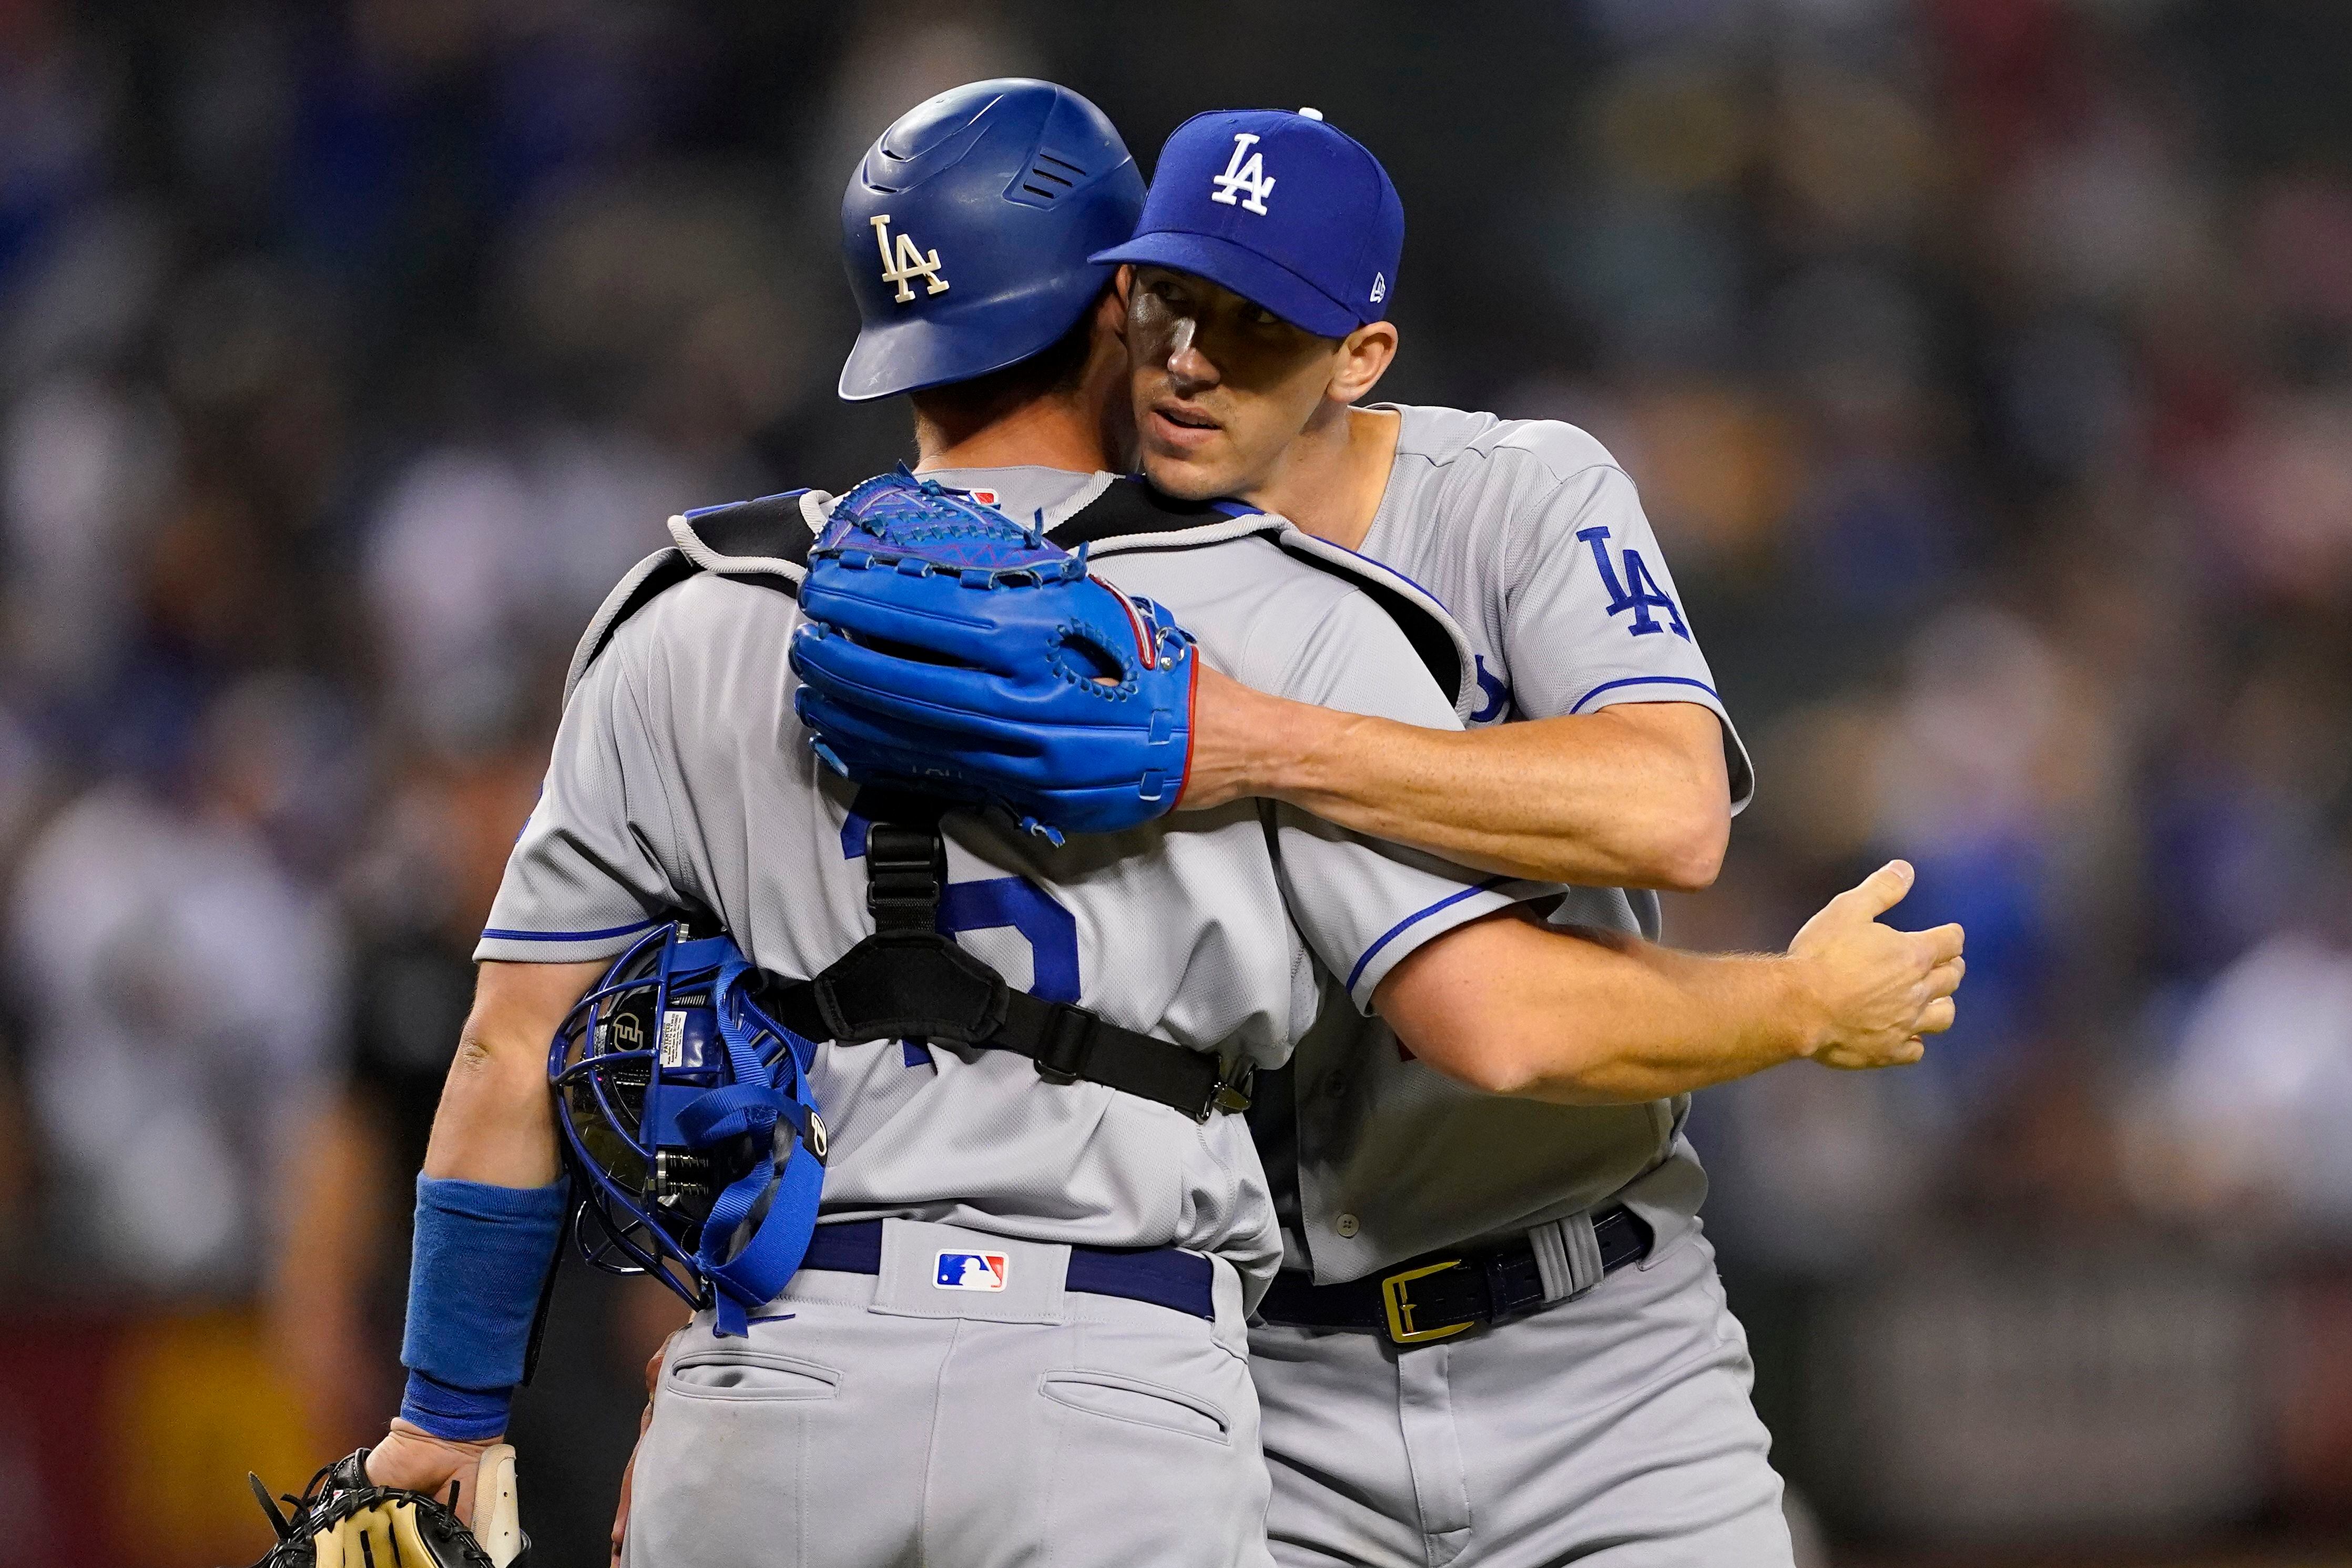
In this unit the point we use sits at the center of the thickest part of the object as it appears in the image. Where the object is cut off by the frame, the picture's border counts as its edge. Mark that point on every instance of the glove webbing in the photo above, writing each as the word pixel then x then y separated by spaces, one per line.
pixel 907 981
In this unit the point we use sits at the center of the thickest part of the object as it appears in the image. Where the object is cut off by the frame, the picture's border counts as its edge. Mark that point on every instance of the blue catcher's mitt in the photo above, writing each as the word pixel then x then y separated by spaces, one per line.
pixel 949 649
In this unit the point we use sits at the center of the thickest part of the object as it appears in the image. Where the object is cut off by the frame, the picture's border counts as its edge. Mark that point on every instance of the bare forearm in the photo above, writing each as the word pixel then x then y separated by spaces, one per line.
pixel 1631 796
pixel 496 1123
pixel 1658 1023
pixel 1512 1006
pixel 1597 1019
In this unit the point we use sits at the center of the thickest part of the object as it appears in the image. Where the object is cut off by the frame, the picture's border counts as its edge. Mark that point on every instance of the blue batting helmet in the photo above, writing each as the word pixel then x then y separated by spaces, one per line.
pixel 967 227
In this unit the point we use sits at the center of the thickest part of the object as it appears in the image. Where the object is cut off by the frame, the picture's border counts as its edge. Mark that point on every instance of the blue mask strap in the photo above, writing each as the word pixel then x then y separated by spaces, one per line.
pixel 762 1095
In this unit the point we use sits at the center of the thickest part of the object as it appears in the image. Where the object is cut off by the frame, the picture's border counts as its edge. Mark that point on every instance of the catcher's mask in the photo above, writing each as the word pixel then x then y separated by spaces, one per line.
pixel 690 1125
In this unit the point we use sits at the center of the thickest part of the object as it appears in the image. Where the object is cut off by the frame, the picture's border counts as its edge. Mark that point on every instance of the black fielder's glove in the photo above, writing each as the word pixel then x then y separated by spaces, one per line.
pixel 345 1520
pixel 946 647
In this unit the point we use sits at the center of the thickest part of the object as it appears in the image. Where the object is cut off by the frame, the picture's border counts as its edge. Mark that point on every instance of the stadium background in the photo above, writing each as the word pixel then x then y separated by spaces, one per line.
pixel 1986 367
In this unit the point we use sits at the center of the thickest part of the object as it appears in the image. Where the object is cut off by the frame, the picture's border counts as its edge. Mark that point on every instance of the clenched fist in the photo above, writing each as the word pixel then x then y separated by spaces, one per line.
pixel 484 1474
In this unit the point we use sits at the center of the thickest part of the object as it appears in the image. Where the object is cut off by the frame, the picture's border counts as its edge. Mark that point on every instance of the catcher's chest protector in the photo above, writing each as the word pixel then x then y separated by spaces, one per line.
pixel 906 979
pixel 766 541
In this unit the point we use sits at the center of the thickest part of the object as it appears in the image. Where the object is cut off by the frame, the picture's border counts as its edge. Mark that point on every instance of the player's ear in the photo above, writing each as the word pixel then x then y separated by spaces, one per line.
pixel 1122 284
pixel 1110 311
pixel 1364 357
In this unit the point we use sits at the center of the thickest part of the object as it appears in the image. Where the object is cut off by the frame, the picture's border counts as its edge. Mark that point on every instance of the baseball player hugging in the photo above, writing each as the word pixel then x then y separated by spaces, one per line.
pixel 895 1018
pixel 1497 1335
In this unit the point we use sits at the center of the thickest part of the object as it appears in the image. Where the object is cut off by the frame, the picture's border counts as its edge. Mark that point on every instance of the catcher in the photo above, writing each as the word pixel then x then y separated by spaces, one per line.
pixel 1009 1320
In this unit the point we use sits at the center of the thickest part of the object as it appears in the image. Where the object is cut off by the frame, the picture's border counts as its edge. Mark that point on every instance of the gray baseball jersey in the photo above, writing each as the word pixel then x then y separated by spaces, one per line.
pixel 1534 538
pixel 681 778
pixel 1614 1423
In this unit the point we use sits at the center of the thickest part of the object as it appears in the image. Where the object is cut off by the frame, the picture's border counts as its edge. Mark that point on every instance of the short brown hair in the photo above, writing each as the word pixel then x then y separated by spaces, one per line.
pixel 1058 370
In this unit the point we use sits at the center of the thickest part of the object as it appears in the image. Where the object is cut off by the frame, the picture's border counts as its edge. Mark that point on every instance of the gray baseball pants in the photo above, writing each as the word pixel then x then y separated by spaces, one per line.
pixel 885 1420
pixel 1610 1430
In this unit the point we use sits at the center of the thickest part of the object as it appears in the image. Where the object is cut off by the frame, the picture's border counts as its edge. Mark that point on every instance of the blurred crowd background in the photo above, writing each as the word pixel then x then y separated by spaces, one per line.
pixel 1987 368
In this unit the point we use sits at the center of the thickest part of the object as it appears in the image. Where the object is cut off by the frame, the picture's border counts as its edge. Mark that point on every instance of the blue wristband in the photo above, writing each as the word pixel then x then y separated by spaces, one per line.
pixel 481 1256
pixel 460 1414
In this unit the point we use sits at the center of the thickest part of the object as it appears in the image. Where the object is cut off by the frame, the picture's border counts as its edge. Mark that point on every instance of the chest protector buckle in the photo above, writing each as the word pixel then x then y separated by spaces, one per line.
pixel 906 979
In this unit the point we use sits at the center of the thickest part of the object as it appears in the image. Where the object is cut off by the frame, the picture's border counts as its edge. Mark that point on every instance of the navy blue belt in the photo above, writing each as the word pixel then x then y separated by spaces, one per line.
pixel 1441 1294
pixel 1163 1276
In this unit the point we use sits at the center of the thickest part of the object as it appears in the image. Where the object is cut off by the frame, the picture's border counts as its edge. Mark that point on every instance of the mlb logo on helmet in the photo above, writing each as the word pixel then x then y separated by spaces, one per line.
pixel 1288 212
pixel 970 1271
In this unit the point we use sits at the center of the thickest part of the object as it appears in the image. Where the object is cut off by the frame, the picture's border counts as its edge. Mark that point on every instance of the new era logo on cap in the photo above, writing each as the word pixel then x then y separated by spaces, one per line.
pixel 1287 211
pixel 970 1271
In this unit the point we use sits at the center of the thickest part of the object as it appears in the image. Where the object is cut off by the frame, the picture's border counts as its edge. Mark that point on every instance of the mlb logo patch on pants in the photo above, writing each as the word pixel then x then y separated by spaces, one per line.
pixel 970 1271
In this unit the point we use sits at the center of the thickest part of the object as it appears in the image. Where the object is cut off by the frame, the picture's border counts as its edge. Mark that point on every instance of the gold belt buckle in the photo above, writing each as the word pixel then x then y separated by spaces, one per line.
pixel 1400 1306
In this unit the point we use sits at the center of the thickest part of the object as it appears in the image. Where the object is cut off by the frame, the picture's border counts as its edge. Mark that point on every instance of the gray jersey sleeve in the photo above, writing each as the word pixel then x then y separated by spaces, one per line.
pixel 1593 617
pixel 1362 904
pixel 586 878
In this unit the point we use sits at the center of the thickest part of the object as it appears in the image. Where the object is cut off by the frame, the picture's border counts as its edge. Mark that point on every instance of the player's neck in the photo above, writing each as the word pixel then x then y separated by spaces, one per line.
pixel 1050 432
pixel 1332 477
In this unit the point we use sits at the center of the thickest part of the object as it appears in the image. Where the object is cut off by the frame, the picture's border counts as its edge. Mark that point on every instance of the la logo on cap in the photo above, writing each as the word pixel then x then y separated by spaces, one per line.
pixel 1240 176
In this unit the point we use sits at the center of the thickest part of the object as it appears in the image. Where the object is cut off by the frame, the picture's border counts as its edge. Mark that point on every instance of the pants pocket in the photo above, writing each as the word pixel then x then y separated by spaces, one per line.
pixel 1138 1471
pixel 1138 1402
pixel 721 1372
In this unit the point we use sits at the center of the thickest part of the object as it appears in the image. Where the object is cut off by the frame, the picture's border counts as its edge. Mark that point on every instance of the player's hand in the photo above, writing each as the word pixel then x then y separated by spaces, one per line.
pixel 1879 991
pixel 412 1458
pixel 413 1498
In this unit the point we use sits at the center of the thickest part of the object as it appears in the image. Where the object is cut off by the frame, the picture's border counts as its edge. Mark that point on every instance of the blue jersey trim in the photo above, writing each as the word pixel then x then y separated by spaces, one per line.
pixel 730 505
pixel 1644 681
pixel 495 934
pixel 1395 931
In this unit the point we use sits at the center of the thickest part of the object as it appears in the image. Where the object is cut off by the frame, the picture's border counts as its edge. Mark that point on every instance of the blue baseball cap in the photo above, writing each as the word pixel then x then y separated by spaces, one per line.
pixel 1291 213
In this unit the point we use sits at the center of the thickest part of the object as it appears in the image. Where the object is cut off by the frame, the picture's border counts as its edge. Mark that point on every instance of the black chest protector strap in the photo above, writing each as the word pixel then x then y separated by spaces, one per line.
pixel 907 981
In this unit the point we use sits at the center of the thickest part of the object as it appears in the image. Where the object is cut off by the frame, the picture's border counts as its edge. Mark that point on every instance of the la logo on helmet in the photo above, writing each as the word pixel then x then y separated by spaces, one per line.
pixel 909 264
pixel 1240 176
